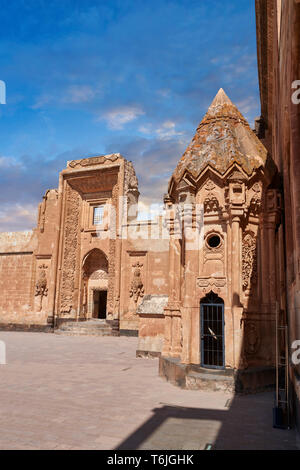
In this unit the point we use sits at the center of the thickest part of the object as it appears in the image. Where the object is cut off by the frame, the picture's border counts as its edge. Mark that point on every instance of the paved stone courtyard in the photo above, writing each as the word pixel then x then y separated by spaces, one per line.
pixel 64 392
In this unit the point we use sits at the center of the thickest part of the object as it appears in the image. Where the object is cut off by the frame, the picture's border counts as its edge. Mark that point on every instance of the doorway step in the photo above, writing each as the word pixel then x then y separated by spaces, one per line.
pixel 93 327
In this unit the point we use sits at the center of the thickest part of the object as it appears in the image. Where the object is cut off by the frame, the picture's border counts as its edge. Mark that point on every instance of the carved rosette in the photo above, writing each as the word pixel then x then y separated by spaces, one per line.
pixel 249 264
pixel 137 287
pixel 70 250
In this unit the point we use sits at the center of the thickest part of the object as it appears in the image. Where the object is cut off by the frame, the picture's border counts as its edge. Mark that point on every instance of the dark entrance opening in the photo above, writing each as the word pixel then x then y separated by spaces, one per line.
pixel 100 300
pixel 212 332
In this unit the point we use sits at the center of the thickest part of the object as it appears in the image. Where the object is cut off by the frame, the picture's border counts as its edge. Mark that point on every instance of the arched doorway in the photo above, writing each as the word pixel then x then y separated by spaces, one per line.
pixel 212 331
pixel 95 285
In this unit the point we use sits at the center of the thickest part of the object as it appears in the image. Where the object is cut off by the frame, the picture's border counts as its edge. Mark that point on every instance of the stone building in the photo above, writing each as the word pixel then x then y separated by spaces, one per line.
pixel 278 46
pixel 198 285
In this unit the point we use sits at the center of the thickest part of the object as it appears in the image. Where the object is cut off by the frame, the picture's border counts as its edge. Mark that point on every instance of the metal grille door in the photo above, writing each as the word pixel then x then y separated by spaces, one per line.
pixel 212 335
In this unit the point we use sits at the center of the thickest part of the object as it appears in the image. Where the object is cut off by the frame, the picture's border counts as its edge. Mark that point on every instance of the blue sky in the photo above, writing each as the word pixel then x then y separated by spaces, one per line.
pixel 90 77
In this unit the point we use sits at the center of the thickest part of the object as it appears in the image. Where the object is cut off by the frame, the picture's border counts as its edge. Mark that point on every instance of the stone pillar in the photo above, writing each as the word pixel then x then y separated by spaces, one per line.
pixel 273 218
pixel 236 261
pixel 191 307
pixel 265 289
pixel 237 309
pixel 172 342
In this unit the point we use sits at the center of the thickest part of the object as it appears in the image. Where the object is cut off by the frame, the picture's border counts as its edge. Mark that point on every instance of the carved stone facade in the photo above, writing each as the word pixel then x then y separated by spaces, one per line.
pixel 278 41
pixel 211 258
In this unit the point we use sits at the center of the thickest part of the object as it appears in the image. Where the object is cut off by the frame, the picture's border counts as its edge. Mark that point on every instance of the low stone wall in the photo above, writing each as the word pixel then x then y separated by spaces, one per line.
pixel 194 377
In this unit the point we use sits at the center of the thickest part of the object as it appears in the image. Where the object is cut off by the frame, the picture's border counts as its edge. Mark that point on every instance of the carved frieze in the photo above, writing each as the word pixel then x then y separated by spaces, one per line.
pixel 111 305
pixel 94 160
pixel 70 250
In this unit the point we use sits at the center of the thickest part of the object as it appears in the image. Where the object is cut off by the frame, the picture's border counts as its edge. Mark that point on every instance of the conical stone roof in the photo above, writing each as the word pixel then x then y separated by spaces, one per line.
pixel 223 137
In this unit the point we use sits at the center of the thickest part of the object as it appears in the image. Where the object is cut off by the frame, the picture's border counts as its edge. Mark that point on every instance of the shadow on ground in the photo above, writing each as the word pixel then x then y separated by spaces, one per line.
pixel 245 424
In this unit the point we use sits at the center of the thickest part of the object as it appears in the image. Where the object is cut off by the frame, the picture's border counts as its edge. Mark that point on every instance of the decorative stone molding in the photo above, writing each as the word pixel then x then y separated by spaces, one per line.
pixel 249 261
pixel 111 307
pixel 130 179
pixel 211 282
pixel 94 160
pixel 70 250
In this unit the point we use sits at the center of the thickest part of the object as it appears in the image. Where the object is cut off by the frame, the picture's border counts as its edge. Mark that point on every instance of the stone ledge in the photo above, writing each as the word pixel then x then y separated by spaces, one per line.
pixel 129 333
pixel 148 354
pixel 25 327
pixel 194 377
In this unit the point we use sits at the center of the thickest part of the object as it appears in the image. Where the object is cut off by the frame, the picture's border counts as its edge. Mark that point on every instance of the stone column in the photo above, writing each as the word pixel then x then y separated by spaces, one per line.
pixel 237 309
pixel 273 218
pixel 236 262
pixel 172 343
pixel 191 308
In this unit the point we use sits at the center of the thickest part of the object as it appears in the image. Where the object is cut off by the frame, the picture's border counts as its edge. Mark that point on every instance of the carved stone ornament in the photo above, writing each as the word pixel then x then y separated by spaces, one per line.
pixel 249 264
pixel 209 185
pixel 70 250
pixel 131 182
pixel 41 285
pixel 94 160
pixel 211 203
pixel 256 201
pixel 211 282
pixel 252 338
pixel 137 287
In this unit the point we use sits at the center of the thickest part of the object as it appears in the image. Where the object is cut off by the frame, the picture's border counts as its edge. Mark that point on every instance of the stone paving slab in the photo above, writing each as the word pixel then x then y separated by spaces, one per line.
pixel 64 392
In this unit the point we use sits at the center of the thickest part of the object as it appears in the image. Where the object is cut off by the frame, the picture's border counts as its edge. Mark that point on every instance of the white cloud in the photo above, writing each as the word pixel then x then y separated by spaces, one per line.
pixel 73 94
pixel 79 94
pixel 118 117
pixel 9 162
pixel 16 216
pixel 41 101
pixel 247 105
pixel 164 92
pixel 166 131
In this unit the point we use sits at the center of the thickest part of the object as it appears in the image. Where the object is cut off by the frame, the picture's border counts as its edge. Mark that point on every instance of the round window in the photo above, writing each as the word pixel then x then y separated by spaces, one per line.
pixel 214 241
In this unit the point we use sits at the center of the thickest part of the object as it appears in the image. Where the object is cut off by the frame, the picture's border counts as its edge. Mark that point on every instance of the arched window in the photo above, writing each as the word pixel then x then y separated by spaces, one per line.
pixel 212 331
